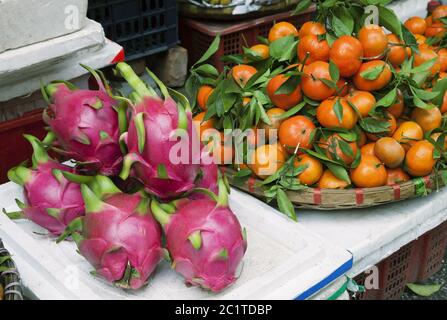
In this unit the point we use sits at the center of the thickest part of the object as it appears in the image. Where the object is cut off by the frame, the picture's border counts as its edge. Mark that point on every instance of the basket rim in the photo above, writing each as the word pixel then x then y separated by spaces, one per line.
pixel 316 198
pixel 10 279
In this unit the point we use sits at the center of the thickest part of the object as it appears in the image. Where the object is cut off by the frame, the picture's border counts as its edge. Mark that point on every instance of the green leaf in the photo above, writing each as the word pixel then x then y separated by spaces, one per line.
pixel 425 66
pixel 242 173
pixel 263 115
pixel 339 172
pixel 331 84
pixel 329 3
pixel 233 58
pixel 409 39
pixel 338 109
pixel 373 73
pixel 210 51
pixel 421 104
pixel 346 148
pixel 373 125
pixel 207 70
pixel 302 6
pixel 388 99
pixel 334 72
pixel 390 21
pixel 263 40
pixel 282 48
pixel 285 205
pixel 357 159
pixel 424 95
pixel 330 38
pixel 424 290
pixel 441 88
pixel 289 85
pixel 292 111
pixel 342 22
pixel 192 85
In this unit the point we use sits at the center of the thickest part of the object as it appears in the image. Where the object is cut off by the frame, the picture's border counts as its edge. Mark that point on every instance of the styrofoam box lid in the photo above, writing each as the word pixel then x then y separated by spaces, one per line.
pixel 24 22
pixel 283 260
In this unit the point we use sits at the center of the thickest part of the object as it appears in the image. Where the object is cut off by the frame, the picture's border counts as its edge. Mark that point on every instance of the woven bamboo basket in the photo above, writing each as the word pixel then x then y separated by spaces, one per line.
pixel 9 277
pixel 332 199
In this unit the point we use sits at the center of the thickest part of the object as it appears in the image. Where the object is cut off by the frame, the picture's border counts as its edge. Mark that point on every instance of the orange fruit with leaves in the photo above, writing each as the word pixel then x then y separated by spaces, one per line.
pixel 311 49
pixel 282 29
pixel 347 53
pixel 274 115
pixel 428 119
pixel 311 83
pixel 374 41
pixel 329 181
pixel 283 100
pixel 397 52
pixel 426 54
pixel 364 101
pixel 327 116
pixel 416 25
pixel 408 133
pixel 368 149
pixel 396 176
pixel 242 73
pixel 294 131
pixel 203 95
pixel 390 152
pixel 339 149
pixel 392 126
pixel 419 161
pixel 313 171
pixel 369 173
pixel 311 28
pixel 267 160
pixel 261 50
pixel 373 75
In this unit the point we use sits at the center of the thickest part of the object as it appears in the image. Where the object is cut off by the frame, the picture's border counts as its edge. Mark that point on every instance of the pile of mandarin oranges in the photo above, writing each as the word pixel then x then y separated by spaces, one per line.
pixel 332 125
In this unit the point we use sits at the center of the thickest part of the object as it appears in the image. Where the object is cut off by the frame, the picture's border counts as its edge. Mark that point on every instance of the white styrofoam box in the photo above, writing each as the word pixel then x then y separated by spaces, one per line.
pixel 23 70
pixel 24 22
pixel 405 9
pixel 283 260
pixel 372 234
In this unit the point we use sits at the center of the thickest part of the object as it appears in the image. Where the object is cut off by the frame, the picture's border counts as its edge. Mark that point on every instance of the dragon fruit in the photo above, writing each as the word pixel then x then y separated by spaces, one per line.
pixel 208 176
pixel 86 125
pixel 51 200
pixel 204 239
pixel 154 122
pixel 118 235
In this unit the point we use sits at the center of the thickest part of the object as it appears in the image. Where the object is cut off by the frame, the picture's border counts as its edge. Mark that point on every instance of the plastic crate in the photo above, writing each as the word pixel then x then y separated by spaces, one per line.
pixel 142 27
pixel 14 149
pixel 197 35
pixel 430 258
pixel 414 262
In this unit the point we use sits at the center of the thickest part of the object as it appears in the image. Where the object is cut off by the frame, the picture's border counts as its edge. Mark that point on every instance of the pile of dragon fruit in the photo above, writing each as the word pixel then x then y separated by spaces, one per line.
pixel 124 203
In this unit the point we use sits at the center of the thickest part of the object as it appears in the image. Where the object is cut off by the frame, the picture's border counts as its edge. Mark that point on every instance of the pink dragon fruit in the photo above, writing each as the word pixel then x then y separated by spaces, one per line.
pixel 204 240
pixel 118 235
pixel 154 123
pixel 86 125
pixel 208 176
pixel 51 200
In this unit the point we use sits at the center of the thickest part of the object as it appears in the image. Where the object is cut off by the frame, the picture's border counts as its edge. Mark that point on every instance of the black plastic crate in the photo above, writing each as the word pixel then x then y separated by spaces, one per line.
pixel 142 27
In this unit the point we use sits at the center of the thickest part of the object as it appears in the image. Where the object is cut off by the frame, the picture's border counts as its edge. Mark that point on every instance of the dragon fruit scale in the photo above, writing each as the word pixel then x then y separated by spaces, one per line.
pixel 86 125
pixel 154 122
pixel 51 201
pixel 118 235
pixel 204 239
